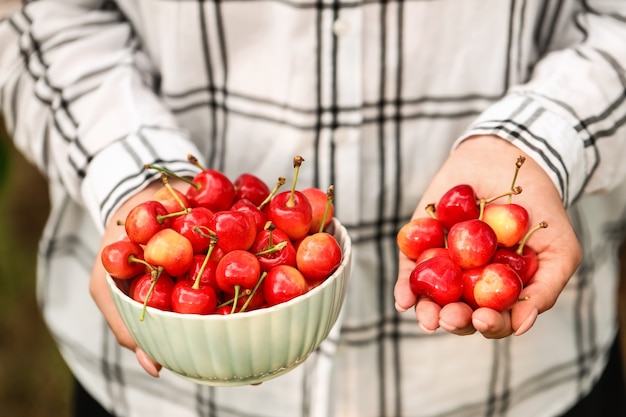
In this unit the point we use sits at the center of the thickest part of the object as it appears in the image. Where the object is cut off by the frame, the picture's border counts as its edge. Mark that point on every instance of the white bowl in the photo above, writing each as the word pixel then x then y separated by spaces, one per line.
pixel 242 348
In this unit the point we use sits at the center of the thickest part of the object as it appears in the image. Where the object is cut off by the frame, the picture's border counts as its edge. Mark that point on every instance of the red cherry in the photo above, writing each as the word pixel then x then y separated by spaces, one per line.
pixel 498 287
pixel 205 269
pixel 234 229
pixel 273 247
pixel 471 243
pixel 470 276
pixel 419 234
pixel 250 187
pixel 432 252
pixel 211 189
pixel 171 250
pixel 291 212
pixel 155 292
pixel 438 278
pixel 189 299
pixel 509 221
pixel 195 226
pixel 322 209
pixel 146 219
pixel 247 206
pixel 122 259
pixel 318 256
pixel 457 204
pixel 172 199
pixel 283 283
pixel 238 269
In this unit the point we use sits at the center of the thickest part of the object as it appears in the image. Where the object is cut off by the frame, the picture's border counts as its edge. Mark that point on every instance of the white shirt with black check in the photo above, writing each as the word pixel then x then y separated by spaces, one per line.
pixel 373 95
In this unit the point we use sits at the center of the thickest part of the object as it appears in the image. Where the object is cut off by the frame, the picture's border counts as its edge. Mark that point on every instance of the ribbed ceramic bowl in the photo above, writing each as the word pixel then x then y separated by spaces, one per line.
pixel 243 348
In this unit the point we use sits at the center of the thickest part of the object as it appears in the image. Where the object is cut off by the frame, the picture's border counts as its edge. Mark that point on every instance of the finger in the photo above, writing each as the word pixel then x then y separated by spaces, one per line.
pixel 146 362
pixel 456 318
pixel 491 323
pixel 427 314
pixel 404 297
pixel 99 291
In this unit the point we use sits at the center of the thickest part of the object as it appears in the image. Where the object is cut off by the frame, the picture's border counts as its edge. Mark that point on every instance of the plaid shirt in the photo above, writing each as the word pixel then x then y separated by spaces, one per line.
pixel 374 96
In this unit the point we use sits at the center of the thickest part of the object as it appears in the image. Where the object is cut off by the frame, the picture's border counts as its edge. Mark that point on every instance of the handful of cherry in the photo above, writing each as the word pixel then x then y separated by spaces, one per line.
pixel 222 247
pixel 471 249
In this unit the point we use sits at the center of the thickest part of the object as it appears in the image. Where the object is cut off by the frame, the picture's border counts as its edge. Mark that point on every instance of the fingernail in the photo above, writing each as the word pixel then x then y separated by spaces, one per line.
pixel 147 363
pixel 400 309
pixel 425 330
pixel 527 323
pixel 445 326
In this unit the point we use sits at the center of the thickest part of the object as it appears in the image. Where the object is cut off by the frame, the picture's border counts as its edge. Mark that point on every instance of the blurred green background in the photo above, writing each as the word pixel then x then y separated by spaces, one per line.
pixel 34 380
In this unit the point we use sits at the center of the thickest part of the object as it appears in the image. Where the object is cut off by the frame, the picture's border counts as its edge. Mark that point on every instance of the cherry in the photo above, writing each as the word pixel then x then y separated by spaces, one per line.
pixel 252 188
pixel 210 188
pixel 192 296
pixel 471 243
pixel 498 287
pixel 522 258
pixel 237 270
pixel 318 256
pixel 509 221
pixel 457 204
pixel 153 289
pixel 273 247
pixel 420 234
pixel 123 259
pixel 432 252
pixel 146 219
pixel 195 226
pixel 322 208
pixel 470 276
pixel 291 211
pixel 205 269
pixel 171 250
pixel 234 229
pixel 438 278
pixel 283 283
pixel 172 199
pixel 248 206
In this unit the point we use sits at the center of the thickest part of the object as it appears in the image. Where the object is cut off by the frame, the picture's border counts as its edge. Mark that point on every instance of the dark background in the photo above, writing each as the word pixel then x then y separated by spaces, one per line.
pixel 34 380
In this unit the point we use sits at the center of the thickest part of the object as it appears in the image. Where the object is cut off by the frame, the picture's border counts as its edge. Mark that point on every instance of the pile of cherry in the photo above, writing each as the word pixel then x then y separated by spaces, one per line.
pixel 222 246
pixel 471 249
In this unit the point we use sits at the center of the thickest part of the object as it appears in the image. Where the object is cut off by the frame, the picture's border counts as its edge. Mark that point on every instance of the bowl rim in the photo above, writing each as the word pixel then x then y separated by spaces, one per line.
pixel 346 257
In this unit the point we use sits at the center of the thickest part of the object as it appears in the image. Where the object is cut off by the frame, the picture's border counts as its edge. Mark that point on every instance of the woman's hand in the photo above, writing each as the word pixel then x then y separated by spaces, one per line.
pixel 98 285
pixel 488 163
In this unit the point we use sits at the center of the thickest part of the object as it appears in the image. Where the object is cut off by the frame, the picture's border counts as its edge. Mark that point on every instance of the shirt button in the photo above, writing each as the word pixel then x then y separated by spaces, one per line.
pixel 341 27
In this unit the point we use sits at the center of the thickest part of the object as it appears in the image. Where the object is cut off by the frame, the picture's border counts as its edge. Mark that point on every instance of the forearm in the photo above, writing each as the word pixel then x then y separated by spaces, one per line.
pixel 77 95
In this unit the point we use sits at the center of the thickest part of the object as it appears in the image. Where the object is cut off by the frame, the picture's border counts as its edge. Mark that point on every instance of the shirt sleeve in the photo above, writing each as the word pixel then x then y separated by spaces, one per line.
pixel 79 98
pixel 570 114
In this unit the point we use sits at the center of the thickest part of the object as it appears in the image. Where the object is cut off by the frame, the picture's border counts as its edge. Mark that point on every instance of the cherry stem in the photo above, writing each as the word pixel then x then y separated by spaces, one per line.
pixel 297 163
pixel 162 217
pixel 272 248
pixel 172 174
pixel 154 274
pixel 196 282
pixel 520 248
pixel 518 165
pixel 430 210
pixel 235 299
pixel 513 191
pixel 279 183
pixel 134 259
pixel 254 290
pixel 194 161
pixel 330 196
pixel 166 184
